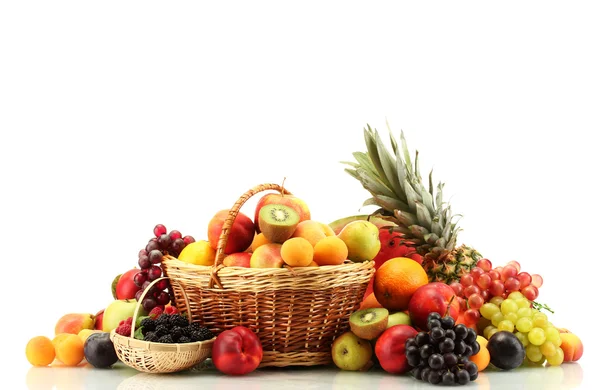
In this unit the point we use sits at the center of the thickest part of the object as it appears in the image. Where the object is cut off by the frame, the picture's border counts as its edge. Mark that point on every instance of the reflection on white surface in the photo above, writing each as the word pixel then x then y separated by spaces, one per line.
pixel 121 377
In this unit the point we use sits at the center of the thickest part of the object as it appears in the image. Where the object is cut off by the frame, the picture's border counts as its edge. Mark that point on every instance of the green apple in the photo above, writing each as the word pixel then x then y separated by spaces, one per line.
pixel 351 353
pixel 399 318
pixel 118 311
pixel 362 240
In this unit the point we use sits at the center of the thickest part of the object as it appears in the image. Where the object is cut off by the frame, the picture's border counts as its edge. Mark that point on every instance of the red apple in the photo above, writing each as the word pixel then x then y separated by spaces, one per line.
pixel 237 351
pixel 241 233
pixel 126 288
pixel 438 297
pixel 390 348
pixel 98 320
pixel 287 200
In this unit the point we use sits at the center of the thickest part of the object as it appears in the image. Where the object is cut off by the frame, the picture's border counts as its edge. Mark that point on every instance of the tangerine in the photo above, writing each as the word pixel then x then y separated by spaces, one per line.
pixel 396 280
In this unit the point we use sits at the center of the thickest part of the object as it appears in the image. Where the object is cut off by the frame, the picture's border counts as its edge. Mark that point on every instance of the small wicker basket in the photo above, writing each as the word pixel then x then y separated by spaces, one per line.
pixel 296 312
pixel 153 357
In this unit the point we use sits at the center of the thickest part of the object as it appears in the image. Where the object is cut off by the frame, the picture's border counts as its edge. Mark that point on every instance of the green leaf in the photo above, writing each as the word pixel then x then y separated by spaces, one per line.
pixel 423 215
pixel 352 172
pixel 373 185
pixel 439 200
pixel 411 196
pixel 388 164
pixel 431 238
pixel 391 203
pixel 417 169
pixel 436 226
pixel 427 201
pixel 392 139
pixel 401 173
pixel 418 231
pixel 372 150
pixel 431 184
pixel 366 163
pixel 351 163
pixel 138 333
pixel 406 154
pixel 406 219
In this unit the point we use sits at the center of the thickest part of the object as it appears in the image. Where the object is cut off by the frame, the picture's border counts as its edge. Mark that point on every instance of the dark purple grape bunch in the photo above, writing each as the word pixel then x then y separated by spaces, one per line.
pixel 441 355
pixel 149 261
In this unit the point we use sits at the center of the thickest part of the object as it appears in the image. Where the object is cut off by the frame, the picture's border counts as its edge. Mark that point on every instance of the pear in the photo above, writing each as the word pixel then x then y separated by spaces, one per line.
pixel 118 311
pixel 362 240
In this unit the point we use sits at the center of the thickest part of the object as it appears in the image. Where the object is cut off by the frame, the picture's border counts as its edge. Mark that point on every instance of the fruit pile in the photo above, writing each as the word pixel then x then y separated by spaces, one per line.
pixel 490 314
pixel 433 308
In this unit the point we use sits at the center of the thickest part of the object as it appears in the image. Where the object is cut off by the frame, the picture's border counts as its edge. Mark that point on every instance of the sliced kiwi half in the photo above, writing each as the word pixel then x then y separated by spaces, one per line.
pixel 368 324
pixel 277 222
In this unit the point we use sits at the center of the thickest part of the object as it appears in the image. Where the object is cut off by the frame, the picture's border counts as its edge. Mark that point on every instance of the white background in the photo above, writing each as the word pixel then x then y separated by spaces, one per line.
pixel 116 116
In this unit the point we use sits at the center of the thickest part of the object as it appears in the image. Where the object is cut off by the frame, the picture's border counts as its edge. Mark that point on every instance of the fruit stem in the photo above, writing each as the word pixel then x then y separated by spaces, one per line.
pixel 541 306
pixel 282 188
pixel 448 307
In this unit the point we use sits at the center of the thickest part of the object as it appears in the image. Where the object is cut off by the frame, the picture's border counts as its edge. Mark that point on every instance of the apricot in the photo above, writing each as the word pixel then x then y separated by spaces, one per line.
pixel 40 351
pixel 69 350
pixel 312 231
pixel 330 250
pixel 297 252
pixel 481 358
pixel 259 240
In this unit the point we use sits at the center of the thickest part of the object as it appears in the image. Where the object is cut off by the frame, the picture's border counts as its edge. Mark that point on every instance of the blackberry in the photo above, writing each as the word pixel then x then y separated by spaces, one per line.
pixel 161 330
pixel 148 324
pixel 150 336
pixel 176 332
pixel 194 326
pixel 178 320
pixel 167 339
pixel 163 320
pixel 186 331
pixel 201 335
pixel 184 339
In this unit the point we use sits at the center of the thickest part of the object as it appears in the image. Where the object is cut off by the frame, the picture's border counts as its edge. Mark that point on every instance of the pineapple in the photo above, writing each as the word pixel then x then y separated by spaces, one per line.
pixel 420 213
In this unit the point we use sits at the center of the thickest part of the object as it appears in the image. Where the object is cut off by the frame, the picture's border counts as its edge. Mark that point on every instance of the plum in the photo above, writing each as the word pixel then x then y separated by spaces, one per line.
pixel 506 350
pixel 99 350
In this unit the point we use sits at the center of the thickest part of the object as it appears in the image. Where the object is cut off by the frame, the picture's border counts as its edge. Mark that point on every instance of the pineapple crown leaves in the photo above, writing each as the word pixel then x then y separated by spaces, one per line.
pixel 394 181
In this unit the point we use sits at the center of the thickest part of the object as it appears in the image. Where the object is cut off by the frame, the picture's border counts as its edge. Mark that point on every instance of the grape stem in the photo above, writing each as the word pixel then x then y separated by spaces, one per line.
pixel 541 306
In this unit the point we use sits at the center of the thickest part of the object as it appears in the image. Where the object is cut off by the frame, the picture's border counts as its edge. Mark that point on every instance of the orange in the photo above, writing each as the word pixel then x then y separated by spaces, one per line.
pixel 396 280
pixel 40 351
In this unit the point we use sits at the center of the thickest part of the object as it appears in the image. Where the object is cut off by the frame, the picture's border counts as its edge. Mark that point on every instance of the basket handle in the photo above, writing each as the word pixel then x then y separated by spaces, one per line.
pixel 233 212
pixel 139 303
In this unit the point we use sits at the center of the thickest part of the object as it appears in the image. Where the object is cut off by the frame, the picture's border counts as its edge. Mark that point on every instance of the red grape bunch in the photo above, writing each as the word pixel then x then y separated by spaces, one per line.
pixel 149 261
pixel 484 283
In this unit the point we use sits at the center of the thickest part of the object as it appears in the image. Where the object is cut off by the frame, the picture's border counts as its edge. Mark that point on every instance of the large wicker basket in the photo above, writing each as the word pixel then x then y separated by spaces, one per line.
pixel 296 312
pixel 160 358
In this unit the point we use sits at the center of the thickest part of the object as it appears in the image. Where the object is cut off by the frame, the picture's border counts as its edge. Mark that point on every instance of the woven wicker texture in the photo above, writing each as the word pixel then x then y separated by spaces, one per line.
pixel 158 357
pixel 296 312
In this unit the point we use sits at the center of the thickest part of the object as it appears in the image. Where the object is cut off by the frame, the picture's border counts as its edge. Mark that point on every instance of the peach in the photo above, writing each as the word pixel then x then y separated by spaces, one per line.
pixel 241 233
pixel 297 252
pixel 73 323
pixel 239 259
pixel 330 250
pixel 311 230
pixel 287 200
pixel 571 346
pixel 98 320
pixel 259 240
pixel 267 256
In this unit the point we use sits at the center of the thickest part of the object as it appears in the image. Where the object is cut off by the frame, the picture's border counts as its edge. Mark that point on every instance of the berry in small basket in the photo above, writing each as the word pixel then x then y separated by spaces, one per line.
pixel 148 324
pixel 124 329
pixel 167 339
pixel 171 310
pixel 202 334
pixel 178 320
pixel 156 312
pixel 161 330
